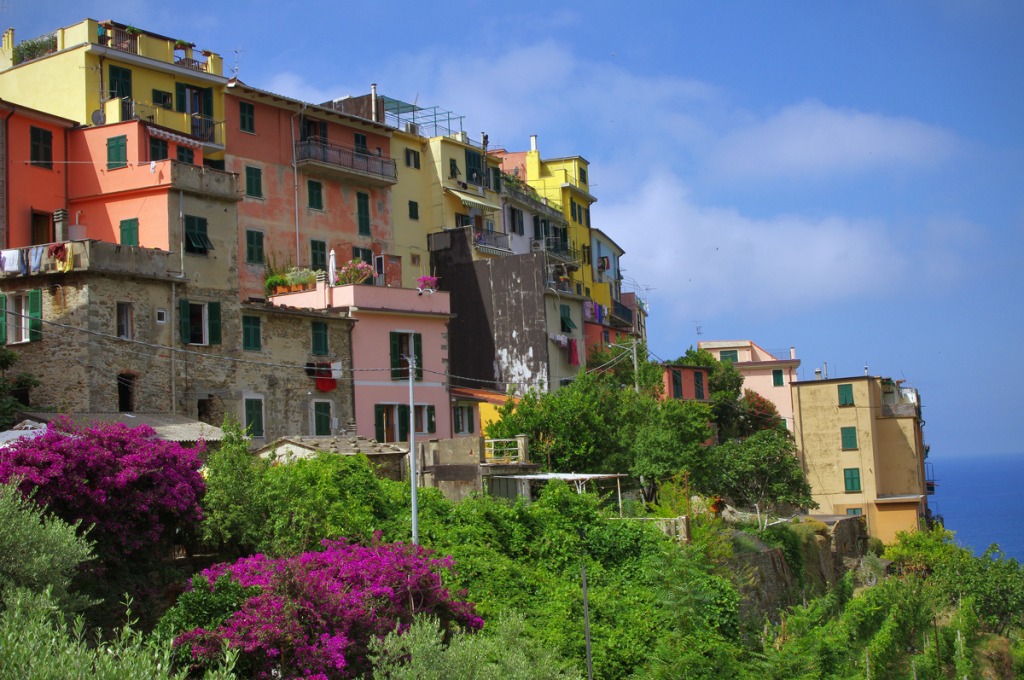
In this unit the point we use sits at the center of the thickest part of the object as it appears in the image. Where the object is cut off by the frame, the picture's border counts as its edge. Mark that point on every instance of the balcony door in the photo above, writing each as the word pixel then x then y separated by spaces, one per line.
pixel 121 88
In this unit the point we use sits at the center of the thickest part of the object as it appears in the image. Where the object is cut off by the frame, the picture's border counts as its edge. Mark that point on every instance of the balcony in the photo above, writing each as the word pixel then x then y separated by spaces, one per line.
pixel 621 315
pixel 505 451
pixel 92 256
pixel 203 181
pixel 203 128
pixel 559 250
pixel 492 242
pixel 338 162
pixel 157 47
pixel 541 206
pixel 357 296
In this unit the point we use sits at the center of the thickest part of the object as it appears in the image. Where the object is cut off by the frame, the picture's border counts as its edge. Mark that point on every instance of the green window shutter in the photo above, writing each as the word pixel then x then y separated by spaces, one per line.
pixel 251 333
pixel 117 152
pixel 3 319
pixel 378 421
pixel 130 232
pixel 213 319
pixel 363 212
pixel 458 420
pixel 845 395
pixel 396 356
pixel 180 97
pixel 677 385
pixel 208 102
pixel 319 329
pixel 322 418
pixel 414 210
pixel 35 314
pixel 432 421
pixel 698 385
pixel 417 350
pixel 246 117
pixel 777 377
pixel 403 422
pixel 851 479
pixel 253 182
pixel 318 255
pixel 254 246
pixel 315 192
pixel 183 322
pixel 474 169
pixel 254 417
pixel 849 437
pixel 470 418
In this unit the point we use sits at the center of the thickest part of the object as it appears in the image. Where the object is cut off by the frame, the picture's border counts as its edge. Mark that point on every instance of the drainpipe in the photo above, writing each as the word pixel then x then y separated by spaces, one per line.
pixel 7 177
pixel 295 178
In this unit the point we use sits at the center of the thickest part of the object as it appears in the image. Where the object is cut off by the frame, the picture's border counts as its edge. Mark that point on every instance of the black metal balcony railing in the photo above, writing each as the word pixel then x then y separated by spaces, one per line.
pixel 622 312
pixel 342 157
pixel 492 239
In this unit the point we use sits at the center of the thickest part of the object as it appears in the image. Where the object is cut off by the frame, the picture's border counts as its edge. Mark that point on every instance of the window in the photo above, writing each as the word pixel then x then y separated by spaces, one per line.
pixel 254 246
pixel 463 220
pixel 246 117
pixel 163 100
pixel 424 419
pixel 516 219
pixel 41 152
pixel 588 216
pixel 849 437
pixel 186 155
pixel 199 322
pixel 315 195
pixel 251 333
pixel 607 336
pixel 732 355
pixel 321 418
pixel 125 320
pixel 474 167
pixel 157 149
pixel 414 210
pixel 777 377
pixel 130 232
pixel 253 182
pixel 851 478
pixel 463 419
pixel 364 254
pixel 677 384
pixel 363 213
pixel 585 252
pixel 391 421
pixel 583 176
pixel 572 203
pixel 496 180
pixel 854 512
pixel 400 352
pixel 567 322
pixel 453 169
pixel 845 395
pixel 412 158
pixel 319 338
pixel 21 317
pixel 254 417
pixel 125 393
pixel 360 143
pixel 196 239
pixel 698 385
pixel 117 152
pixel 318 255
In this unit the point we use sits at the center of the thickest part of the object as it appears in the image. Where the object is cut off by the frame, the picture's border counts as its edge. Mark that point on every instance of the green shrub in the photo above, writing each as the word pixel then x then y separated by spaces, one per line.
pixel 39 551
pixel 875 546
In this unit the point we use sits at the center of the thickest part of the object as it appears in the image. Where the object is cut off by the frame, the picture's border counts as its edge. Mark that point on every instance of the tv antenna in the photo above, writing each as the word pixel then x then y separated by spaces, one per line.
pixel 234 71
pixel 700 331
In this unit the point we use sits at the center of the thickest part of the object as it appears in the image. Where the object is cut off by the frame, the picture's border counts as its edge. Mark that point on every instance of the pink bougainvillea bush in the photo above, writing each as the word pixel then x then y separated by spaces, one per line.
pixel 314 615
pixel 134 490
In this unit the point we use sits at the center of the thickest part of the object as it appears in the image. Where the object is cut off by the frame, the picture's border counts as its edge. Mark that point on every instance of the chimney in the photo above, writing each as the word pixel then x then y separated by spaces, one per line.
pixel 817 374
pixel 825 367
pixel 865 369
pixel 533 142
pixel 373 102
pixel 792 352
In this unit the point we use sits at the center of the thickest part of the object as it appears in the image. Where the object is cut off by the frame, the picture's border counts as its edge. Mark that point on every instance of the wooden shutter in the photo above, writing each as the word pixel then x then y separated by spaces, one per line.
pixel 3 319
pixel 208 102
pixel 432 421
pixel 470 417
pixel 417 350
pixel 183 322
pixel 403 422
pixel 396 356
pixel 180 96
pixel 213 321
pixel 378 421
pixel 35 313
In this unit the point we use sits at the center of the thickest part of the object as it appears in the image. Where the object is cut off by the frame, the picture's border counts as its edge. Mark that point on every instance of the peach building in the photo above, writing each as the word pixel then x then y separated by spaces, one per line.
pixel 763 371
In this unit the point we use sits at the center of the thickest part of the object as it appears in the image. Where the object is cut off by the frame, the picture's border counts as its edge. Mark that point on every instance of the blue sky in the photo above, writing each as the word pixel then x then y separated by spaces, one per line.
pixel 845 178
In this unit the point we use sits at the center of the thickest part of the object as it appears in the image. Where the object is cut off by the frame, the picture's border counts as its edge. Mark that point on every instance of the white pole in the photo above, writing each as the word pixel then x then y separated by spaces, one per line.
pixel 636 369
pixel 412 439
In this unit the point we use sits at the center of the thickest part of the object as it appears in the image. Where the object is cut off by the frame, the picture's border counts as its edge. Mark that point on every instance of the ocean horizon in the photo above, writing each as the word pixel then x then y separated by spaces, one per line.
pixel 976 496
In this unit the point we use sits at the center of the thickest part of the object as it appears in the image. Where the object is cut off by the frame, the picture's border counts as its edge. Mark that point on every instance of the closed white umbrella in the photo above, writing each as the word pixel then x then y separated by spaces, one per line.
pixel 332 269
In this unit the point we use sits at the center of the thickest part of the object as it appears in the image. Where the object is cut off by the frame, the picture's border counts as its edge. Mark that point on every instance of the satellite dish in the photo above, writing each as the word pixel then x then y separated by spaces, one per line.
pixel 98 117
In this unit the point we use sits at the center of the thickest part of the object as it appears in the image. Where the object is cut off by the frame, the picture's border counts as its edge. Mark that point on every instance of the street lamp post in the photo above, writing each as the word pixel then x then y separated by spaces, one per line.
pixel 412 440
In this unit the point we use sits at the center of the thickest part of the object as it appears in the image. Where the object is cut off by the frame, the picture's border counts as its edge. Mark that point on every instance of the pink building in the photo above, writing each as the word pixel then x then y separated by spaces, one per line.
pixel 762 371
pixel 391 325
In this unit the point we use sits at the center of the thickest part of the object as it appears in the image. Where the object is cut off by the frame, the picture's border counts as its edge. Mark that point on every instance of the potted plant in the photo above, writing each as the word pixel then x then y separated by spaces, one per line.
pixel 427 283
pixel 131 30
pixel 354 271
pixel 275 283
pixel 300 278
pixel 182 44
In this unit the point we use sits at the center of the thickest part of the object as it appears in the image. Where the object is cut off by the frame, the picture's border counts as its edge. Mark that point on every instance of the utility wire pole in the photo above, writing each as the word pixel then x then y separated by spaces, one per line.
pixel 412 440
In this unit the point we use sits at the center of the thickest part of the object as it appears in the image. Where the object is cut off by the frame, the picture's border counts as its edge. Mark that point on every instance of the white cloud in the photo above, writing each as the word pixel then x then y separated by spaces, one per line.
pixel 810 140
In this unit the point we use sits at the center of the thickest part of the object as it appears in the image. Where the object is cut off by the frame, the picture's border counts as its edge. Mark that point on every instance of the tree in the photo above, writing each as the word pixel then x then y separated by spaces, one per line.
pixel 763 471
pixel 617 360
pixel 724 385
pixel 13 388
pixel 756 414
pixel 670 439
pixel 135 490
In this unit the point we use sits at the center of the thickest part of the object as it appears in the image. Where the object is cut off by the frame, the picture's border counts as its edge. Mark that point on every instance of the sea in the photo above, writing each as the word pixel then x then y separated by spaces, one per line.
pixel 980 498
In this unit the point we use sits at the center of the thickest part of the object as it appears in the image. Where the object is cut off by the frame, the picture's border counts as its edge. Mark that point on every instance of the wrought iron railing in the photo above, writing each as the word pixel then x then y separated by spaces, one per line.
pixel 315 149
pixel 622 312
pixel 502 451
pixel 492 239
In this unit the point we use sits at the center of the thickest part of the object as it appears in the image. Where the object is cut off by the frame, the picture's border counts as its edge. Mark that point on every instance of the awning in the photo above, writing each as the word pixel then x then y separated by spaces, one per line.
pixel 471 201
pixel 180 140
pixel 567 320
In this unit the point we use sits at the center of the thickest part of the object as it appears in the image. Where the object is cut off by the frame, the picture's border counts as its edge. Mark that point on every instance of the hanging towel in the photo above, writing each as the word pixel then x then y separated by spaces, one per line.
pixel 10 259
pixel 67 264
pixel 336 370
pixel 324 381
pixel 36 259
pixel 574 355
pixel 23 261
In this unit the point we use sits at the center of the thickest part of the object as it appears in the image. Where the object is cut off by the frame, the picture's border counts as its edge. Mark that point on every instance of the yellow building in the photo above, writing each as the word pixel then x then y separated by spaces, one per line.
pixel 103 72
pixel 862 450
